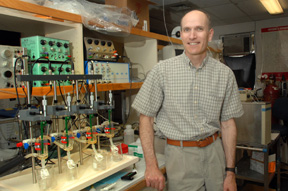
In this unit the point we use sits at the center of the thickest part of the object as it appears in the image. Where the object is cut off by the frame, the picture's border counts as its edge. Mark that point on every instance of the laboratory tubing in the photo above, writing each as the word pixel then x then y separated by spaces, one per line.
pixel 116 152
pixel 71 169
pixel 99 160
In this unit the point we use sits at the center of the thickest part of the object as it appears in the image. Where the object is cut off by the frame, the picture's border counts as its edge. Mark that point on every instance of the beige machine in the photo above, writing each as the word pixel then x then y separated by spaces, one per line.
pixel 254 127
pixel 246 95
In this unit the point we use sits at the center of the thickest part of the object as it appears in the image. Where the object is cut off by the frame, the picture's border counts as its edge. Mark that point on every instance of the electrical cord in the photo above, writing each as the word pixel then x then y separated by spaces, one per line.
pixel 49 90
pixel 60 68
pixel 37 61
pixel 52 149
pixel 74 122
pixel 32 66
pixel 15 82
pixel 25 128
pixel 61 92
pixel 16 89
pixel 25 94
pixel 164 18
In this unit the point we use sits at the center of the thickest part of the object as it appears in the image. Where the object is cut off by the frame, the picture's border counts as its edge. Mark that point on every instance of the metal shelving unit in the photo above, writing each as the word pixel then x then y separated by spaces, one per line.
pixel 243 165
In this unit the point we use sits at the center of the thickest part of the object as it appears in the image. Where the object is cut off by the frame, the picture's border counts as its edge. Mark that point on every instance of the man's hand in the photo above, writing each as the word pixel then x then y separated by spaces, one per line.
pixel 230 182
pixel 154 178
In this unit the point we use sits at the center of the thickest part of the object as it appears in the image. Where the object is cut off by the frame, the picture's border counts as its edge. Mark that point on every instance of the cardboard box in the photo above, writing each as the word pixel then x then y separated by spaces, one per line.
pixel 140 7
pixel 257 162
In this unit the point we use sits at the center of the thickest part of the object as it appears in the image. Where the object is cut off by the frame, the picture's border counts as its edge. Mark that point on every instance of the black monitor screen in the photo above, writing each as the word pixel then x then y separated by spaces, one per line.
pixel 243 69
pixel 178 51
pixel 10 38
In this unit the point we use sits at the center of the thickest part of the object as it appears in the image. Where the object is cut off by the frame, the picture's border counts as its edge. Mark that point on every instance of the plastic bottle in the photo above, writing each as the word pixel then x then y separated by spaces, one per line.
pixel 128 135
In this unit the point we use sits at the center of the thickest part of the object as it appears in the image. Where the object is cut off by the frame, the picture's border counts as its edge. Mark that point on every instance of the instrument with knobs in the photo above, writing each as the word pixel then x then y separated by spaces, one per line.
pixel 8 56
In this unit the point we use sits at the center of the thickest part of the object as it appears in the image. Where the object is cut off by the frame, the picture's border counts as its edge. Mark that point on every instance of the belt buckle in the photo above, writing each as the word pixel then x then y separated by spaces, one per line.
pixel 199 141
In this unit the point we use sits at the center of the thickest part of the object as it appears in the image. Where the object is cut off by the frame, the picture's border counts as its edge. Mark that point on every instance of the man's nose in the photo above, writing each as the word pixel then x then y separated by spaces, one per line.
pixel 192 34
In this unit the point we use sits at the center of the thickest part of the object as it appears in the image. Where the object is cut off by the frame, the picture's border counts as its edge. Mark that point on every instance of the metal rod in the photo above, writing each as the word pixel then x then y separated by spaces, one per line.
pixel 58 148
pixel 55 90
pixel 77 92
pixel 20 130
pixel 98 142
pixel 95 81
pixel 28 93
pixel 251 148
pixel 31 135
pixel 32 158
pixel 97 123
pixel 80 144
pixel 96 94
pixel 96 91
pixel 77 102
pixel 266 175
pixel 278 164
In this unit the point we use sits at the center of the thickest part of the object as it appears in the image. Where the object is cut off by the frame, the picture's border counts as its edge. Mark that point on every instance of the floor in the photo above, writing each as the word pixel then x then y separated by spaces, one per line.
pixel 252 186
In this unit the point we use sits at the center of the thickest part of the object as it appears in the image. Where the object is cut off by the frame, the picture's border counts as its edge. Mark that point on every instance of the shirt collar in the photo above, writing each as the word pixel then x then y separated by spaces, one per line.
pixel 187 60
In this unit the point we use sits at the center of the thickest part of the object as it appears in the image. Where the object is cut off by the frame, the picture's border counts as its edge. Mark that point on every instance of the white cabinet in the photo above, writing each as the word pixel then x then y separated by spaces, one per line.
pixel 29 24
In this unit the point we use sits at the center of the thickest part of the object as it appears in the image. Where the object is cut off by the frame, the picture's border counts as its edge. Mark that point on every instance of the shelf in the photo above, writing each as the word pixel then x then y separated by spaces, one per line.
pixel 142 33
pixel 62 16
pixel 37 9
pixel 8 93
pixel 243 165
pixel 244 172
pixel 119 86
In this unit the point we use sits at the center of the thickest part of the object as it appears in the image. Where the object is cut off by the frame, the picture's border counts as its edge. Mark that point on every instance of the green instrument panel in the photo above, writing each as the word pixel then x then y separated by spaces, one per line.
pixel 53 49
pixel 43 69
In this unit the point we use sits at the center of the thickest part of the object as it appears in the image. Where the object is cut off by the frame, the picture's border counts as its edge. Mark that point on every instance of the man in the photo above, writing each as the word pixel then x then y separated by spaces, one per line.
pixel 193 97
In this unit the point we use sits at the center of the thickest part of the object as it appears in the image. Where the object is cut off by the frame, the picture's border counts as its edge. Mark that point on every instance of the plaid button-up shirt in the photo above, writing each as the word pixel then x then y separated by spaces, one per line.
pixel 189 103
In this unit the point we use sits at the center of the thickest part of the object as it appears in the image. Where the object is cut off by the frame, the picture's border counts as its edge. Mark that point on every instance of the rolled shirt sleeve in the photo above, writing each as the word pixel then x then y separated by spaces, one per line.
pixel 150 97
pixel 232 106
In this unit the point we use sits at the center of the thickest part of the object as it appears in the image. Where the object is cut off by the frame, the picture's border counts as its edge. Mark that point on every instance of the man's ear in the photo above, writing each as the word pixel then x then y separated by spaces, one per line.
pixel 211 33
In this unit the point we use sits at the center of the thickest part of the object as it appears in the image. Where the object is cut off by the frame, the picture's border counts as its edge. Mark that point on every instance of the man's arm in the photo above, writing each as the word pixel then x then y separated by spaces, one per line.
pixel 154 177
pixel 229 138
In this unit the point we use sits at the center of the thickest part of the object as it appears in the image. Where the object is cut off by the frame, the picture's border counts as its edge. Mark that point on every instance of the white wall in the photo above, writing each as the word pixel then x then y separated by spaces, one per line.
pixel 143 55
pixel 249 27
pixel 233 29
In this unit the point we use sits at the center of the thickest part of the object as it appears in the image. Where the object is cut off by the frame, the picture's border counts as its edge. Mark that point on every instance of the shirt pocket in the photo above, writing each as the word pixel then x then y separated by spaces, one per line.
pixel 211 107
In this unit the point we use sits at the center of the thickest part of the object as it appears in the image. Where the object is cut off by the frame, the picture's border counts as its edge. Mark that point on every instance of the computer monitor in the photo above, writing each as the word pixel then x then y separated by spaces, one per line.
pixel 243 68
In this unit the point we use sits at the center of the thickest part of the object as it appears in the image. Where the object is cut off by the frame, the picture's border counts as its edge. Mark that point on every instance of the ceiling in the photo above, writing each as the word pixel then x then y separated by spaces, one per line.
pixel 222 12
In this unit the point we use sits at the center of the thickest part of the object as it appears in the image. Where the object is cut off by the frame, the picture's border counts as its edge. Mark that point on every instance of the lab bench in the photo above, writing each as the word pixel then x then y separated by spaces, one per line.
pixel 138 182
pixel 86 176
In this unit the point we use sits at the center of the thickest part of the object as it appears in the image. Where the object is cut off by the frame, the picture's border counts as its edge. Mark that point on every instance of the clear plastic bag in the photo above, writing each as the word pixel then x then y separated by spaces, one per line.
pixel 98 17
pixel 107 18
pixel 71 6
pixel 38 2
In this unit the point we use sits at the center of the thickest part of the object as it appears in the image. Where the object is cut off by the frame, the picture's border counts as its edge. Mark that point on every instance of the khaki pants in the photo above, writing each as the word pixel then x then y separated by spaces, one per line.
pixel 194 168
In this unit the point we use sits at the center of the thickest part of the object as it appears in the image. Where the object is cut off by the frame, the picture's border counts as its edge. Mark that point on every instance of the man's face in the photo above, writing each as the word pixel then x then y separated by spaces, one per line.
pixel 195 33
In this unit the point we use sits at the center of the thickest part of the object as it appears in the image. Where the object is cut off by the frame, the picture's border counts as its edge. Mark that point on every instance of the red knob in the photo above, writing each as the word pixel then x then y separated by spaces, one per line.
pixel 19 144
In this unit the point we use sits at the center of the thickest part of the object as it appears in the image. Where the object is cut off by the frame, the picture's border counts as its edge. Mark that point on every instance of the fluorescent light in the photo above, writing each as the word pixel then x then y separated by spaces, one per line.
pixel 272 6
